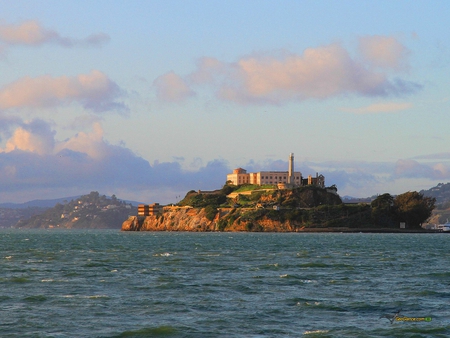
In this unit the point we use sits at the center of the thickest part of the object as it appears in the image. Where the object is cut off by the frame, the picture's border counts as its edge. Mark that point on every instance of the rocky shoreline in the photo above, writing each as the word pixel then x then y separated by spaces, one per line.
pixel 231 220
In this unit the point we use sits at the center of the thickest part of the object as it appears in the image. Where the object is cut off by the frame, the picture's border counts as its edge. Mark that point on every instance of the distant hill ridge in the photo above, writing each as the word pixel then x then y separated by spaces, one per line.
pixel 38 203
pixel 93 211
pixel 441 192
pixel 50 203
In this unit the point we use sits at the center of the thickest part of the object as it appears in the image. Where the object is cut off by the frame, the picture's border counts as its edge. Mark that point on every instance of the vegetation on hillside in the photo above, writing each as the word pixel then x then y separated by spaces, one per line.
pixel 10 216
pixel 249 196
pixel 310 206
pixel 412 208
pixel 324 216
pixel 250 187
pixel 88 211
pixel 442 194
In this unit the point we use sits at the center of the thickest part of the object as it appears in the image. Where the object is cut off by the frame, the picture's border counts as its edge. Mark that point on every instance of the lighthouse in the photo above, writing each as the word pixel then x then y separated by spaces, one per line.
pixel 291 169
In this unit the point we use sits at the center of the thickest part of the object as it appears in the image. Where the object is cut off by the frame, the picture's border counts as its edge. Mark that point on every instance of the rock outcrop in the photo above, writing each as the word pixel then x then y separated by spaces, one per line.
pixel 195 220
pixel 174 219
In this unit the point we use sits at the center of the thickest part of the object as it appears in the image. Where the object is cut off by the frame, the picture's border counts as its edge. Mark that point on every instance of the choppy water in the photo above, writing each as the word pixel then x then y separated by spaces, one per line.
pixel 121 284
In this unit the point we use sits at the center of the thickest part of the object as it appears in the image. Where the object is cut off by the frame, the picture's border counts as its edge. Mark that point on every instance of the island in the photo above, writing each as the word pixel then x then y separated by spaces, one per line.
pixel 268 209
pixel 282 201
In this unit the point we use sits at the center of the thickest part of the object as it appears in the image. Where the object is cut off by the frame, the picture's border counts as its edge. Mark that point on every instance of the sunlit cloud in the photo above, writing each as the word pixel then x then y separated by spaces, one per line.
pixel 36 137
pixel 382 107
pixel 383 52
pixel 91 144
pixel 172 88
pixel 32 33
pixel 8 121
pixel 95 91
pixel 318 73
pixel 33 161
pixel 409 168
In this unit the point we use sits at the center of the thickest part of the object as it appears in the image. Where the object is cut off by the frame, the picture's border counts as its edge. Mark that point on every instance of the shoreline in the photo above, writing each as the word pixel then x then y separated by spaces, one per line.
pixel 310 230
pixel 371 230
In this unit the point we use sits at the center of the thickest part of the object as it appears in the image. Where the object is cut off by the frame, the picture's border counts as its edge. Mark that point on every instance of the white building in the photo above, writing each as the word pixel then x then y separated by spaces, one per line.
pixel 284 179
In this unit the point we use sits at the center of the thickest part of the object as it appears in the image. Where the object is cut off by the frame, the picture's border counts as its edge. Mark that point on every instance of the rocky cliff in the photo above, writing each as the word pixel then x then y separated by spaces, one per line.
pixel 195 219
pixel 255 220
pixel 174 219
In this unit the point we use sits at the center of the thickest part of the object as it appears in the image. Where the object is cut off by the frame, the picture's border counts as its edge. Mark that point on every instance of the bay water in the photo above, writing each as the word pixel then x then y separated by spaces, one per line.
pixel 107 283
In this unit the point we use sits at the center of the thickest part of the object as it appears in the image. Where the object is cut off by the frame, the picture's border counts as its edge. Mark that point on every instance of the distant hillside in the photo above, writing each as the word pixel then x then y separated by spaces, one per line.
pixel 442 194
pixel 50 203
pixel 37 203
pixel 91 211
pixel 10 216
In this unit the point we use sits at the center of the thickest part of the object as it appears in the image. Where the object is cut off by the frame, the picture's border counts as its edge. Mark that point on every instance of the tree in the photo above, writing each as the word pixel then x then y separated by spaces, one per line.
pixel 413 208
pixel 227 189
pixel 383 212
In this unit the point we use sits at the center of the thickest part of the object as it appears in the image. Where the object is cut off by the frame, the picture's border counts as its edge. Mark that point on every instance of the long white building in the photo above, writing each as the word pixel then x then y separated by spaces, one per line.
pixel 287 179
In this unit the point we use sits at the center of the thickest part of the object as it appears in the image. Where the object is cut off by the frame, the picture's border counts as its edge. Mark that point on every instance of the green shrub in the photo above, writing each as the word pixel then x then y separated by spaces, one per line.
pixel 250 226
pixel 253 215
pixel 211 212
pixel 231 219
pixel 222 224
pixel 255 196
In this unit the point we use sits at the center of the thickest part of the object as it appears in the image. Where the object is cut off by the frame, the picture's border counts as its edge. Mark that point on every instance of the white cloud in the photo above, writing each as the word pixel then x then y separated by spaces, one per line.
pixel 172 88
pixel 36 137
pixel 383 52
pixel 381 107
pixel 408 168
pixel 91 144
pixel 34 162
pixel 32 33
pixel 318 73
pixel 95 91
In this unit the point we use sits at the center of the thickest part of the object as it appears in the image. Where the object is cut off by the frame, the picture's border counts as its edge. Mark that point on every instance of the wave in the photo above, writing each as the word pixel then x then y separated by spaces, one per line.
pixel 148 332
pixel 315 332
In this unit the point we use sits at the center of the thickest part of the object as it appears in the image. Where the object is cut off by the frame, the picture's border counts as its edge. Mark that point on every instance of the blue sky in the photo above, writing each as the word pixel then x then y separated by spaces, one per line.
pixel 150 99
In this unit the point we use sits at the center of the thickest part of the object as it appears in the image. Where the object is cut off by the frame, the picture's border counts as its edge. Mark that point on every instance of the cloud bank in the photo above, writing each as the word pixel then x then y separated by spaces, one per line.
pixel 409 168
pixel 34 164
pixel 318 73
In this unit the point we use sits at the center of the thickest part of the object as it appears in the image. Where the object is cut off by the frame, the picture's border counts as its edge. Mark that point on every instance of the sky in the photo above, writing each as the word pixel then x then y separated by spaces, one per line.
pixel 150 99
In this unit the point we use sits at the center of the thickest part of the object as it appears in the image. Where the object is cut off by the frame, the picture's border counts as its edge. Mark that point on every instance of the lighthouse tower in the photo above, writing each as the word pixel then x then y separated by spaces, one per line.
pixel 291 169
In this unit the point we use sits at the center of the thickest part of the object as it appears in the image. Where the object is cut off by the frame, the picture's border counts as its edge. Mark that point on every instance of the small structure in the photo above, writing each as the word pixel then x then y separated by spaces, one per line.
pixel 149 209
pixel 319 180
